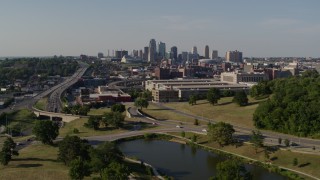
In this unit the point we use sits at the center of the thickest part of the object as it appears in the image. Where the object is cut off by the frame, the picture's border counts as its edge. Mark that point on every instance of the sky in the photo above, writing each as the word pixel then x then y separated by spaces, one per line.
pixel 258 28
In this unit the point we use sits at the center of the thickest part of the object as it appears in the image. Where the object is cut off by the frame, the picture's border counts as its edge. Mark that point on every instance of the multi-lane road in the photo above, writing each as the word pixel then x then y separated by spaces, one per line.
pixel 54 93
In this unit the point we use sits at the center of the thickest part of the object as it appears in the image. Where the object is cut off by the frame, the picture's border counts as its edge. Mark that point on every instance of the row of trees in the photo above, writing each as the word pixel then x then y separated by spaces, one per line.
pixel 114 118
pixel 293 106
pixel 106 159
pixel 214 94
pixel 25 68
pixel 76 110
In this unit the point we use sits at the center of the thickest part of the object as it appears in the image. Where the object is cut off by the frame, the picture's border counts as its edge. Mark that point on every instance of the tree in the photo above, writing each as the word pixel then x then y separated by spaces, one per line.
pixel 183 134
pixel 221 133
pixel 115 171
pixel 79 169
pixel 46 131
pixel 196 122
pixel 232 169
pixel 286 142
pixel 240 98
pixel 141 102
pixel 194 138
pixel 103 155
pixel 192 100
pixel 266 154
pixel 213 95
pixel 256 139
pixel 114 119
pixel 72 147
pixel 8 150
pixel 118 108
pixel 295 162
pixel 93 122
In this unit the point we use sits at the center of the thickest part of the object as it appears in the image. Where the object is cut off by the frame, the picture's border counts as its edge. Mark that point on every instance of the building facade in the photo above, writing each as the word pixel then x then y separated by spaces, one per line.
pixel 234 56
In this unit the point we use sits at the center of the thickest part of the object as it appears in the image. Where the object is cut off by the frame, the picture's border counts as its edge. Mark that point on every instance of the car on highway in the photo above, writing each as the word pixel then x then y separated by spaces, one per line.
pixel 178 126
pixel 204 130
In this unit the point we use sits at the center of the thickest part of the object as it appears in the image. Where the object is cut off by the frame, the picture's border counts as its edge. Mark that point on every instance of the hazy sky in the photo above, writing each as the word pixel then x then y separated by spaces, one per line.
pixel 260 28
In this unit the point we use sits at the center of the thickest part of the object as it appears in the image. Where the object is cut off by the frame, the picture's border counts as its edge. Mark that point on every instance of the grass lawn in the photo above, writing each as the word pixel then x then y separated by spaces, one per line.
pixel 99 111
pixel 23 119
pixel 41 104
pixel 225 111
pixel 83 131
pixel 164 114
pixel 35 162
pixel 39 162
pixel 307 163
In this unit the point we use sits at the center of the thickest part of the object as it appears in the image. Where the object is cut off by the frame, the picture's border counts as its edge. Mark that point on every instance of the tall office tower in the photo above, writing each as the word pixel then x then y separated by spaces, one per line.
pixel 146 53
pixel 184 56
pixel 162 49
pixel 214 54
pixel 140 54
pixel 174 51
pixel 234 56
pixel 135 53
pixel 152 50
pixel 206 52
pixel 100 55
pixel 194 50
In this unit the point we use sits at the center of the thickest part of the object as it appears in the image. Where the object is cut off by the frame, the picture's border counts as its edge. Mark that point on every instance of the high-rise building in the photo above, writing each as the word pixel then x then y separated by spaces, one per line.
pixel 152 50
pixel 206 52
pixel 174 51
pixel 184 56
pixel 162 49
pixel 194 50
pixel 234 56
pixel 120 54
pixel 140 54
pixel 214 54
pixel 146 53
pixel 100 55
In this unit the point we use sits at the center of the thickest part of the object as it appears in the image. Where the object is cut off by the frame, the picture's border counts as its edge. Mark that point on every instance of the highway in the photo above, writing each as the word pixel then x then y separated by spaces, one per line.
pixel 54 92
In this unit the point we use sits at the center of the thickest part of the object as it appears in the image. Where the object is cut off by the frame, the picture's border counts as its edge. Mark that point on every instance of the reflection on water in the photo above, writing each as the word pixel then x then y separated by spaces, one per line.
pixel 183 161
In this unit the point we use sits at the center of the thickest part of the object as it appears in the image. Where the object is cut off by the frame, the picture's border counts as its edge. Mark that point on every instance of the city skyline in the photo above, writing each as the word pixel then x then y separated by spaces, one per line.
pixel 259 29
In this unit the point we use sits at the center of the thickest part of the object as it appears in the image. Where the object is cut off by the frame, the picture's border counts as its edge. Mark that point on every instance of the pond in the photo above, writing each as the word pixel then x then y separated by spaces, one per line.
pixel 183 161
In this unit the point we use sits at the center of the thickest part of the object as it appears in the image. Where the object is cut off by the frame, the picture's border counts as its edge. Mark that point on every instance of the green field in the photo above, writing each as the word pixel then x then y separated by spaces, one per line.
pixel 308 163
pixel 41 104
pixel 22 119
pixel 225 111
pixel 165 114
pixel 39 162
pixel 99 111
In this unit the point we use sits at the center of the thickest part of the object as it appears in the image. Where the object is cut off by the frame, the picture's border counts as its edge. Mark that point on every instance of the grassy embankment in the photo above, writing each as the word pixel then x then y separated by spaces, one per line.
pixel 41 104
pixel 307 163
pixel 40 162
pixel 225 110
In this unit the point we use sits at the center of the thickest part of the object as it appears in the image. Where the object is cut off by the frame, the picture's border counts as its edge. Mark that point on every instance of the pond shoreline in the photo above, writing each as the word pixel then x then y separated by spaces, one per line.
pixel 177 139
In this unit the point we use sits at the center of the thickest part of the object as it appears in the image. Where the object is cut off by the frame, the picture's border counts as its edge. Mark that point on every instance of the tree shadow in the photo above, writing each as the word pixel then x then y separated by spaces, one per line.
pixel 34 159
pixel 28 165
pixel 304 165
pixel 225 103
pixel 274 158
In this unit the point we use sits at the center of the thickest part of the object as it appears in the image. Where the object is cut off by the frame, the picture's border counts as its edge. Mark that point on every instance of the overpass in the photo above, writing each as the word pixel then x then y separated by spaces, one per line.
pixel 56 116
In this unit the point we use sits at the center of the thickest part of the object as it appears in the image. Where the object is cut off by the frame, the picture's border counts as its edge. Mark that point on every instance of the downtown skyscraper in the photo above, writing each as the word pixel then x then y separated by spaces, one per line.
pixel 206 52
pixel 162 49
pixel 152 50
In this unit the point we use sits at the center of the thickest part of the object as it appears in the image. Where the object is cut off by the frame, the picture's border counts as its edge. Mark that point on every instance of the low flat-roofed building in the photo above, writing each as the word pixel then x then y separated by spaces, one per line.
pixel 237 77
pixel 176 90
